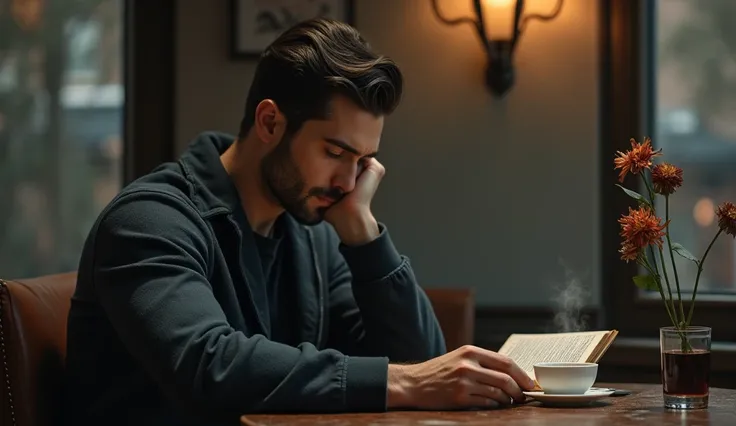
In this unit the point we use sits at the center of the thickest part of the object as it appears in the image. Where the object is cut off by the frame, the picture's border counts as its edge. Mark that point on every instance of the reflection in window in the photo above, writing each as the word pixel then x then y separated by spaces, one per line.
pixel 83 49
pixel 61 100
pixel 695 75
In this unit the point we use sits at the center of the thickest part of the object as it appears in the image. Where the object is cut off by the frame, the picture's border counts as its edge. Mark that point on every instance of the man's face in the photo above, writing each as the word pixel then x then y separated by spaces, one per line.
pixel 313 169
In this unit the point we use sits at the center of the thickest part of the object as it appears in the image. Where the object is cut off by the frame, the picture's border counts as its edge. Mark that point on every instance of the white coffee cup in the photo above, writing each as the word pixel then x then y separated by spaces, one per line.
pixel 566 378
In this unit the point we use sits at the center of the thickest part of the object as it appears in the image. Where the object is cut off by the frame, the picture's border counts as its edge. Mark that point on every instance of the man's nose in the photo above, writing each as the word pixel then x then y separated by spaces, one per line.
pixel 346 178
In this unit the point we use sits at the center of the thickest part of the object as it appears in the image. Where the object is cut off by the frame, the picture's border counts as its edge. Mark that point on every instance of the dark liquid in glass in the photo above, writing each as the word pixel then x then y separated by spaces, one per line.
pixel 686 373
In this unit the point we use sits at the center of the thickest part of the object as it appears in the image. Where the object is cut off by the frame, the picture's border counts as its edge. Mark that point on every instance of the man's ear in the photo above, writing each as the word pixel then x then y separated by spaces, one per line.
pixel 270 123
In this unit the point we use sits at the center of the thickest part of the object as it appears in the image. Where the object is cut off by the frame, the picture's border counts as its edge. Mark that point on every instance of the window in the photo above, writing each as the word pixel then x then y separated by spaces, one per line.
pixel 694 100
pixel 61 127
pixel 86 105
pixel 670 73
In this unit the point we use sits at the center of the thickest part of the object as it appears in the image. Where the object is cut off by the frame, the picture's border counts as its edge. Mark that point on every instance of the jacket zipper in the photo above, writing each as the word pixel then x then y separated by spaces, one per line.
pixel 320 289
pixel 245 275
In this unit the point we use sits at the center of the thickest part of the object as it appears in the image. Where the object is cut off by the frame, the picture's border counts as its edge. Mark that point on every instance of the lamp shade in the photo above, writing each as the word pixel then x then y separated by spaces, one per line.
pixel 498 19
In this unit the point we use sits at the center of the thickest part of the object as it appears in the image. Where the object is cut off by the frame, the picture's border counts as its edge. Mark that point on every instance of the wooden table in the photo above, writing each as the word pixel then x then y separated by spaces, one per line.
pixel 642 407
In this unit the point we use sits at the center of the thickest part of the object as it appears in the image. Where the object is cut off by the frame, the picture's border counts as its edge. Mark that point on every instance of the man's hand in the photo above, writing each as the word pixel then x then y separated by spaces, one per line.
pixel 351 217
pixel 468 377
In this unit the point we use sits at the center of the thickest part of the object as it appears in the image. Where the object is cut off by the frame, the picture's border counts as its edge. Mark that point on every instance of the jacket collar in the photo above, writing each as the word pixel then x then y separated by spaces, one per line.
pixel 212 189
pixel 213 192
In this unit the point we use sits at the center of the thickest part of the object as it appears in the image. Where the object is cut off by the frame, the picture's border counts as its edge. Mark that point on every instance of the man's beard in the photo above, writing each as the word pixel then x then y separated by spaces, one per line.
pixel 283 179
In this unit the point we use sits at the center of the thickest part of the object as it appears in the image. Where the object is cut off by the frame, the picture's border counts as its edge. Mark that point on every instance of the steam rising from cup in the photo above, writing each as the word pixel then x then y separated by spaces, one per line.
pixel 569 303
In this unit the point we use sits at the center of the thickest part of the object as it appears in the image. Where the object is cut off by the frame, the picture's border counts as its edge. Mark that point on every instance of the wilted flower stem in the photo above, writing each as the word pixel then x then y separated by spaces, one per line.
pixel 678 321
pixel 649 189
pixel 697 277
pixel 672 256
pixel 673 317
pixel 671 311
pixel 645 263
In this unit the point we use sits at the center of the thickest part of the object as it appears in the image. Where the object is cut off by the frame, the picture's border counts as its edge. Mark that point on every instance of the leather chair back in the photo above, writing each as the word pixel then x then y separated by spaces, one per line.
pixel 455 311
pixel 33 317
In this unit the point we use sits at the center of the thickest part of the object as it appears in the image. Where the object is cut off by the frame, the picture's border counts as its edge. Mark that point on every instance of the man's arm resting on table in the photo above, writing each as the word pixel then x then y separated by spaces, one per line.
pixel 150 276
pixel 377 306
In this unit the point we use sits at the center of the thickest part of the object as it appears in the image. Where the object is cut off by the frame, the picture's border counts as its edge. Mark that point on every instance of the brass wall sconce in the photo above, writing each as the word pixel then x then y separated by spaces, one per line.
pixel 499 24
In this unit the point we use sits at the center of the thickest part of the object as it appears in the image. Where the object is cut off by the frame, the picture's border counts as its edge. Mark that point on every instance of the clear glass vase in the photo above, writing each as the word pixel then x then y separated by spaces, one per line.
pixel 685 363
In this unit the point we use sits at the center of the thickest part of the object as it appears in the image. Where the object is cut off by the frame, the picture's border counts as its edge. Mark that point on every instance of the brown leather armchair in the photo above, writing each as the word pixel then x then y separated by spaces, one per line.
pixel 33 316
pixel 455 311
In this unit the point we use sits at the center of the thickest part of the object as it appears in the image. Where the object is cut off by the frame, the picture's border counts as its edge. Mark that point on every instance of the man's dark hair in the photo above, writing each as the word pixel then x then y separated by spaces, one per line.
pixel 313 61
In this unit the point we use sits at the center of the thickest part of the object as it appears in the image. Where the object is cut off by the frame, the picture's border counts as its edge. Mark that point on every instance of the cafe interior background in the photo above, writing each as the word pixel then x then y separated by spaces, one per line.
pixel 509 195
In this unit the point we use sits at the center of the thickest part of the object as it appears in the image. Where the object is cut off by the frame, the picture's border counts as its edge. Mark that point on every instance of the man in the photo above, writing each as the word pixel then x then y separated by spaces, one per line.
pixel 252 276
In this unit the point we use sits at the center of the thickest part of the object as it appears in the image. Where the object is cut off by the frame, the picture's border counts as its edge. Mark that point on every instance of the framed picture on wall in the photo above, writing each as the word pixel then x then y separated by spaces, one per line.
pixel 256 23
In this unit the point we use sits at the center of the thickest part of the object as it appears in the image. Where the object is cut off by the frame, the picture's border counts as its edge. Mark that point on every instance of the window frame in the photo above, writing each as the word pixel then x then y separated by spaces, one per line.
pixel 627 106
pixel 149 60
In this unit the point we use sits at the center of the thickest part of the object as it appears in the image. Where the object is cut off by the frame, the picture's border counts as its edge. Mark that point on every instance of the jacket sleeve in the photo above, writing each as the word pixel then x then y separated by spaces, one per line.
pixel 377 308
pixel 151 278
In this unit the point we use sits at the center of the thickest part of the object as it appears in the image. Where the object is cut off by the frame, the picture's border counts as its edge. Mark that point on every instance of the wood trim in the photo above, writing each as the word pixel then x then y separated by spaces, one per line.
pixel 150 91
pixel 620 119
pixel 626 108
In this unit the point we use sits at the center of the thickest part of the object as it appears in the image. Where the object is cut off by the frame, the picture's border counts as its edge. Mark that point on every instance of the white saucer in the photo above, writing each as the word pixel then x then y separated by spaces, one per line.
pixel 591 395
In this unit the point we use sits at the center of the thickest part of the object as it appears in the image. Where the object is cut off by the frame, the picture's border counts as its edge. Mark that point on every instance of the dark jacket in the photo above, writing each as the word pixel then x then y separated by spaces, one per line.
pixel 169 323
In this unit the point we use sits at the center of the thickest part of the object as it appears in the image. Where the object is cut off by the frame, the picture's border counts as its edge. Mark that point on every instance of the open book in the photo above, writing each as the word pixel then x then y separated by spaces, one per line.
pixel 529 349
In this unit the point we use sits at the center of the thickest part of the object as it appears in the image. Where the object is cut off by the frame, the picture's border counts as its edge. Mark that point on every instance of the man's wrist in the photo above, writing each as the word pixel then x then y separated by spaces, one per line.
pixel 362 230
pixel 398 387
pixel 373 261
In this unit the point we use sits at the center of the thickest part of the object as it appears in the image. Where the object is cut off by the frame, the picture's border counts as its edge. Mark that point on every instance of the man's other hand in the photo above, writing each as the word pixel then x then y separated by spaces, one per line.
pixel 468 377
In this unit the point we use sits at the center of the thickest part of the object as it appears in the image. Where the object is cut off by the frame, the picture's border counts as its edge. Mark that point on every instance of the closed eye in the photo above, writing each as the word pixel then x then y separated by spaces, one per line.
pixel 332 153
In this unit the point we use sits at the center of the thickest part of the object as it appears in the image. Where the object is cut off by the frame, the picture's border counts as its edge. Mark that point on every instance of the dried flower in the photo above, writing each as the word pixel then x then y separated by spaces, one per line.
pixel 629 251
pixel 636 159
pixel 666 178
pixel 639 229
pixel 726 213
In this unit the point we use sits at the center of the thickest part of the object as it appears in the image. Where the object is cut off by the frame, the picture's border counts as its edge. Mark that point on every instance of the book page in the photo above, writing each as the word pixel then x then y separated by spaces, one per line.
pixel 603 346
pixel 529 349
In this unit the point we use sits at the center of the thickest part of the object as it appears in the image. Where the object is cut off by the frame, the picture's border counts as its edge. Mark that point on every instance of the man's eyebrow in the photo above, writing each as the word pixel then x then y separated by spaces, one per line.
pixel 340 144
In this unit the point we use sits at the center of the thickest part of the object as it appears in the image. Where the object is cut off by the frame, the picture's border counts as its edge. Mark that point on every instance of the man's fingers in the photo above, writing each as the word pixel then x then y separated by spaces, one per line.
pixel 501 381
pixel 372 169
pixel 490 393
pixel 498 362
pixel 482 402
pixel 369 179
pixel 374 165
